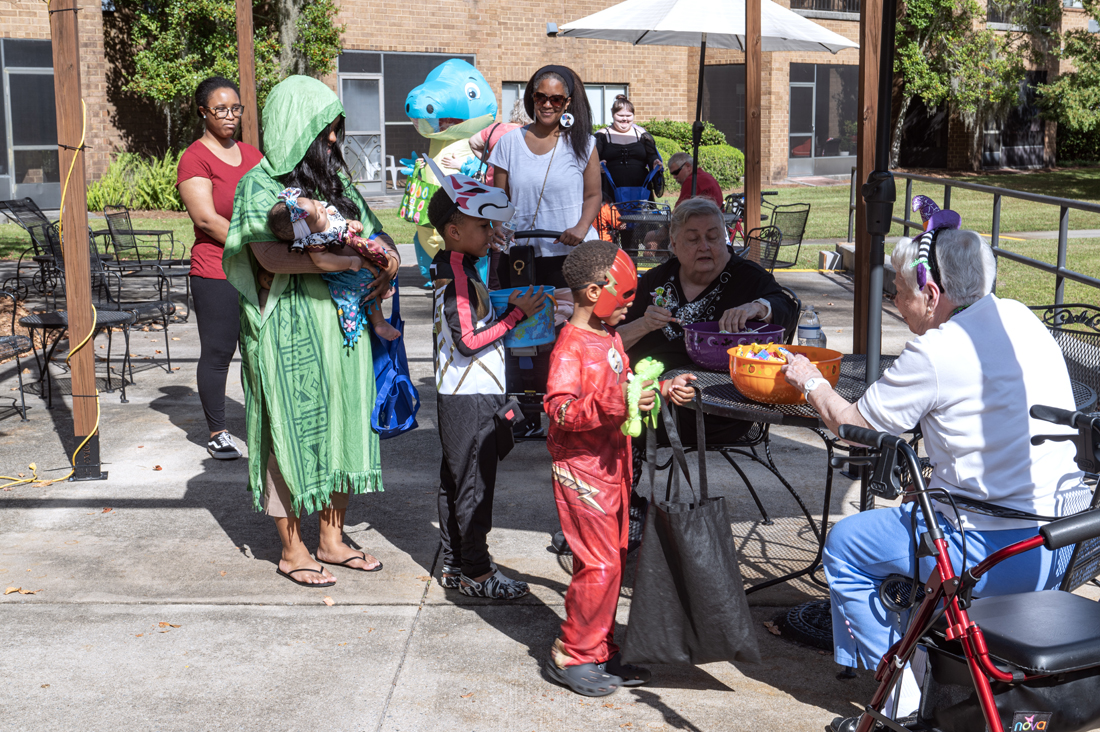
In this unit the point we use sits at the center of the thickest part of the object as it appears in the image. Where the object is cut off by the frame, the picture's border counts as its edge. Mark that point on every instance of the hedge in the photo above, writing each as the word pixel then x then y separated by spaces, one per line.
pixel 138 182
pixel 668 148
pixel 725 163
pixel 681 132
pixel 1079 147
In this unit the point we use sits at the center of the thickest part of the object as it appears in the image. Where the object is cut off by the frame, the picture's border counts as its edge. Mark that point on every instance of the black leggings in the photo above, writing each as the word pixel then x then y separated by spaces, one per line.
pixel 218 313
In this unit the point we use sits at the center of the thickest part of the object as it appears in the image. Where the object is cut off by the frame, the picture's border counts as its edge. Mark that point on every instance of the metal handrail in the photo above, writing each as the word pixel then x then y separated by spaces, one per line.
pixel 1059 270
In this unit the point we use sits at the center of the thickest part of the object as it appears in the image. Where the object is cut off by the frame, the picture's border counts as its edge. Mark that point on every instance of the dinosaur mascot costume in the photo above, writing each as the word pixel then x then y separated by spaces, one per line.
pixel 453 103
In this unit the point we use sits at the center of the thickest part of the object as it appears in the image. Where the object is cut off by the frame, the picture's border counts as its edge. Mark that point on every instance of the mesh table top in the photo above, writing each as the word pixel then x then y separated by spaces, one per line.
pixel 60 319
pixel 721 398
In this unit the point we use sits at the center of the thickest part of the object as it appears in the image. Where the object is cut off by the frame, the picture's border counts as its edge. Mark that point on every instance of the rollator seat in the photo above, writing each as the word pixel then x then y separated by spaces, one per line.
pixel 1039 632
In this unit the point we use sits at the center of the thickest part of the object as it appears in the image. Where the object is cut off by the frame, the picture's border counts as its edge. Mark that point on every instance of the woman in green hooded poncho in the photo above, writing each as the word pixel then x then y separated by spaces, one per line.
pixel 308 399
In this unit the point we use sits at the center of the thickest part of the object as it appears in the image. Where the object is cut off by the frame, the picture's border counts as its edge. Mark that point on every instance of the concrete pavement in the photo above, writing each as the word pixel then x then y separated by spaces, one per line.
pixel 158 606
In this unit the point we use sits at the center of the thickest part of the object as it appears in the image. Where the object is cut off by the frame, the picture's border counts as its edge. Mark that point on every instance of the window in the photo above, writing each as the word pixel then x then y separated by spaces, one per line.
pixel 510 93
pixel 600 98
pixel 724 101
pixel 823 108
pixel 28 130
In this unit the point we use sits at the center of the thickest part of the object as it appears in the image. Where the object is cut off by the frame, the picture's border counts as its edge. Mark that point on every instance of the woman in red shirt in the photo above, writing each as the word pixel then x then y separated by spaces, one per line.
pixel 207 178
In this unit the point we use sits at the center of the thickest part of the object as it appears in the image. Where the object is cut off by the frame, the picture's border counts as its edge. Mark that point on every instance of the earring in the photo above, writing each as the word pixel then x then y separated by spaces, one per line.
pixel 566 120
pixel 204 116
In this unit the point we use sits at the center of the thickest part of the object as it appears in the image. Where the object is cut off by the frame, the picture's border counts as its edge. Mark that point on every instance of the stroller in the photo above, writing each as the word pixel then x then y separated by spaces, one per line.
pixel 1011 663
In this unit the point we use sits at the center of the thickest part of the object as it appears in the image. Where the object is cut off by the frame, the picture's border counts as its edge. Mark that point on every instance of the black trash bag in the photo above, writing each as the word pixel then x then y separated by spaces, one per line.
pixel 688 605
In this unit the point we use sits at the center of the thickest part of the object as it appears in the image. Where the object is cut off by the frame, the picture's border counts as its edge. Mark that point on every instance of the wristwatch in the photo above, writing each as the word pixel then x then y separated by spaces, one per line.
pixel 813 384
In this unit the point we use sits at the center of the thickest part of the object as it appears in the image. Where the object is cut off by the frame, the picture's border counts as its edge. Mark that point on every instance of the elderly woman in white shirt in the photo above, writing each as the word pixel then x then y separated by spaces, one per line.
pixel 968 379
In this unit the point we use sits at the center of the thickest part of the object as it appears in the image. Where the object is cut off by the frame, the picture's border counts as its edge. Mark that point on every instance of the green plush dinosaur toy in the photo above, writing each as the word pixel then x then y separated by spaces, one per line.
pixel 647 369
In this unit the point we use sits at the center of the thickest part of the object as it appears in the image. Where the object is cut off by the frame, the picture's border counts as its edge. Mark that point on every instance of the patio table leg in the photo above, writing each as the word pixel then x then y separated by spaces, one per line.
pixel 815 565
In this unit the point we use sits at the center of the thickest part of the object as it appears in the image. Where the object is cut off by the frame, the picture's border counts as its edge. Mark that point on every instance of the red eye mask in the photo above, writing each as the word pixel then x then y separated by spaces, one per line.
pixel 620 287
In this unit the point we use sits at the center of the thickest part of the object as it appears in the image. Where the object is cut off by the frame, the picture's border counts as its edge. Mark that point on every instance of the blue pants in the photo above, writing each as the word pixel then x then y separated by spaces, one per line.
pixel 862 550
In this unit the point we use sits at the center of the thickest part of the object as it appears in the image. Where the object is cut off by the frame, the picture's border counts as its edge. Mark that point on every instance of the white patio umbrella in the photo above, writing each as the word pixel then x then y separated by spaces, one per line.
pixel 718 23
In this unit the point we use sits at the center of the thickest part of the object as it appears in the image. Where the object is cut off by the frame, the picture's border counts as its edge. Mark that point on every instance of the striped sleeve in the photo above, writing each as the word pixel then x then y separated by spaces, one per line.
pixel 459 304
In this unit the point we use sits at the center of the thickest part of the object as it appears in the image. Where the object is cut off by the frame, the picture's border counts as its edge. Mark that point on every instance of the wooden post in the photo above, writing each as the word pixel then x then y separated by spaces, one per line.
pixel 870 38
pixel 753 63
pixel 74 232
pixel 246 64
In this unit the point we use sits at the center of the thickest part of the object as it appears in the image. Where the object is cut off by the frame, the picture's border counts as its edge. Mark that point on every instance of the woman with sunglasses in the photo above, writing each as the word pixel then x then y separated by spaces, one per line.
pixel 550 170
pixel 207 177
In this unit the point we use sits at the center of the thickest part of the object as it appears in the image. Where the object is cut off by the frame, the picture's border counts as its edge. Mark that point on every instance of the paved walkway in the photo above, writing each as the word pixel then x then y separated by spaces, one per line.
pixel 157 605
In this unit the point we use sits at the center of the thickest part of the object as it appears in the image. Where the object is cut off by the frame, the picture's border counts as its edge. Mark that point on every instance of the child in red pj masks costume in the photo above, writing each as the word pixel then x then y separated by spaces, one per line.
pixel 586 401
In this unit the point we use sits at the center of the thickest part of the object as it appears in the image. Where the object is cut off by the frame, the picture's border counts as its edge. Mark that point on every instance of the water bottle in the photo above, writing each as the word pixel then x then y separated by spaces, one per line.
pixel 809 329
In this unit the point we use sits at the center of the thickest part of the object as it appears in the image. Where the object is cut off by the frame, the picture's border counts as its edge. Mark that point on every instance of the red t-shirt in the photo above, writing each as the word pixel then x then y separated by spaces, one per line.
pixel 199 162
pixel 706 186
pixel 499 130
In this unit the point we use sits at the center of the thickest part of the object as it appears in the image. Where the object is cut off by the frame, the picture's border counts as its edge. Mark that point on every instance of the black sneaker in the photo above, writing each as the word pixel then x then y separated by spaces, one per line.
pixel 222 447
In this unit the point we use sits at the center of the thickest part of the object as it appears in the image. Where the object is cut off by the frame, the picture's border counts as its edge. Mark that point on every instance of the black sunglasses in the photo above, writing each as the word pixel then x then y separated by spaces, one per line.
pixel 677 171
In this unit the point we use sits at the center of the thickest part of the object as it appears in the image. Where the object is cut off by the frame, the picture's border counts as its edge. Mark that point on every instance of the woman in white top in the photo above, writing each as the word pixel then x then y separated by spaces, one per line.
pixel 550 170
pixel 970 376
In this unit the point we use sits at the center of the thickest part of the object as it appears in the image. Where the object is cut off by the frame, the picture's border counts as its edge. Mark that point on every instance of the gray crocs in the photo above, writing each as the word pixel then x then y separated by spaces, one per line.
pixel 586 679
pixel 495 587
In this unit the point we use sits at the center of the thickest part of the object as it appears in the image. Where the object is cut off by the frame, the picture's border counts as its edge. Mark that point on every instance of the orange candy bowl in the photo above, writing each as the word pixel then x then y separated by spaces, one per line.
pixel 762 381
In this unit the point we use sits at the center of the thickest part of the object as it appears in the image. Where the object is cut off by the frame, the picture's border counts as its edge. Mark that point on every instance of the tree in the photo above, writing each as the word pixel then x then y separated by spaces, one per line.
pixel 178 43
pixel 945 56
pixel 1073 99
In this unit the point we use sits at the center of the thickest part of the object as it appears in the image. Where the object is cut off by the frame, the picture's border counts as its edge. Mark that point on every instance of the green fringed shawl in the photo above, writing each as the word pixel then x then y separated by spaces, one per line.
pixel 306 396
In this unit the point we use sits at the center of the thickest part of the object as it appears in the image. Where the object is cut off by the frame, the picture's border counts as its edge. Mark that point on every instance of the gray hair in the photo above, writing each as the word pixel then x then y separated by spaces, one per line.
pixel 689 209
pixel 968 267
pixel 519 114
pixel 677 159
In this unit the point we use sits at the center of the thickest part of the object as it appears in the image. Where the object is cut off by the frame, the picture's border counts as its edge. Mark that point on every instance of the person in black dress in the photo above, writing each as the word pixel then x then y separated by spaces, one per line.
pixel 628 151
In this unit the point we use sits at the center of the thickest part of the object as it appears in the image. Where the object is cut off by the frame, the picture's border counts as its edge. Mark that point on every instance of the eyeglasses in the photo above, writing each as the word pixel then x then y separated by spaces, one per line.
pixel 677 171
pixel 556 100
pixel 223 112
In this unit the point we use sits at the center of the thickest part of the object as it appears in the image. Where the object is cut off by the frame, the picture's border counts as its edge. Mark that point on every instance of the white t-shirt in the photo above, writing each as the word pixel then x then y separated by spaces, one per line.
pixel 563 197
pixel 970 384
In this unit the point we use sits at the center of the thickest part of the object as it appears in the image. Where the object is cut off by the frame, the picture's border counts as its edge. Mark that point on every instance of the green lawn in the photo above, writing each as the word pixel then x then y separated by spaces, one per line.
pixel 829 220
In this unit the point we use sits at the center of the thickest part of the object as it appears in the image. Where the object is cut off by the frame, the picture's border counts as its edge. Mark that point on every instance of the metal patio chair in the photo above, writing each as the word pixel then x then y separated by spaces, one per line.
pixel 141 253
pixel 791 220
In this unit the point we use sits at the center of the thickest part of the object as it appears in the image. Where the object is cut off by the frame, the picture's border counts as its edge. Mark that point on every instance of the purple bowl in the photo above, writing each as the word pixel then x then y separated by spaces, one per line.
pixel 708 348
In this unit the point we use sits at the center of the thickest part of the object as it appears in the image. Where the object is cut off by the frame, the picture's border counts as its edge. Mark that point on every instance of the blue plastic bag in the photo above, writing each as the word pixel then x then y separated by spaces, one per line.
pixel 397 401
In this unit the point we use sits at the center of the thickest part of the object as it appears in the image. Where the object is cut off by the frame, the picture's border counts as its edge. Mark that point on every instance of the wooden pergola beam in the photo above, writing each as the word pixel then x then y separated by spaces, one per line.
pixel 246 65
pixel 65 41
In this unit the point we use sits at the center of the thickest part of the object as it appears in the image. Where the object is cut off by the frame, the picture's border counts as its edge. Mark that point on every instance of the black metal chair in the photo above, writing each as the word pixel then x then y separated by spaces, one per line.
pixel 15 346
pixel 767 239
pixel 140 253
pixel 791 220
pixel 1076 328
pixel 758 434
pixel 26 214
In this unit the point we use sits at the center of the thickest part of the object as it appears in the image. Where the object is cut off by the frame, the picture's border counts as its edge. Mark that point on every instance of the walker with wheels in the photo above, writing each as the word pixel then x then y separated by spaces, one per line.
pixel 1027 662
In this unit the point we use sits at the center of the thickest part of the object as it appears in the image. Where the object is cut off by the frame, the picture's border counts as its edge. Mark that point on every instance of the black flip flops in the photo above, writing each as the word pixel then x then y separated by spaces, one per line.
pixel 289 576
pixel 352 559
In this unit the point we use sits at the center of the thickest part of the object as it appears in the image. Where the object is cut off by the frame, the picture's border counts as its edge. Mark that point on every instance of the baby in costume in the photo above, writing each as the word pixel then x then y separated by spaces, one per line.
pixel 348 260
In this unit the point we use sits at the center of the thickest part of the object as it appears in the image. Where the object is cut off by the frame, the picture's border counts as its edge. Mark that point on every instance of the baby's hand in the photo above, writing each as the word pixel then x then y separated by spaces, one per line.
pixel 355 227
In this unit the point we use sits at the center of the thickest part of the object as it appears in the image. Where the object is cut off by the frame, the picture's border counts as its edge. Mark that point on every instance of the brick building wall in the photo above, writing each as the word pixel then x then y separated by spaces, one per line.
pixel 111 125
pixel 510 42
pixel 508 39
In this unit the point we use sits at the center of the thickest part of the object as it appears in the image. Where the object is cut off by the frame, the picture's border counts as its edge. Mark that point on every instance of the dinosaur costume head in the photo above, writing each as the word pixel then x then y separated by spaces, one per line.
pixel 453 103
